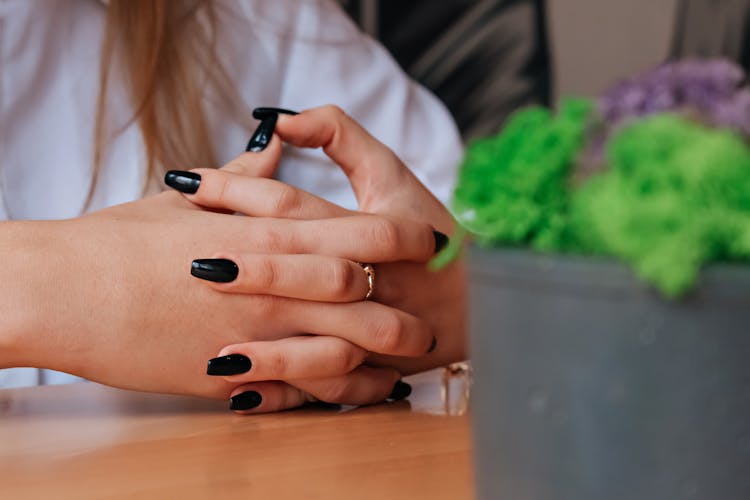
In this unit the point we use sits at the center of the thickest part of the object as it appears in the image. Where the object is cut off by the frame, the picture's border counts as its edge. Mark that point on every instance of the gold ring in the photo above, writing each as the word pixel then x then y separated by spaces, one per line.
pixel 370 272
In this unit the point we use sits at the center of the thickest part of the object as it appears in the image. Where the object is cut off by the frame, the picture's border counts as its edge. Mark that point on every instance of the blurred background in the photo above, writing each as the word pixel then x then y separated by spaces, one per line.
pixel 485 58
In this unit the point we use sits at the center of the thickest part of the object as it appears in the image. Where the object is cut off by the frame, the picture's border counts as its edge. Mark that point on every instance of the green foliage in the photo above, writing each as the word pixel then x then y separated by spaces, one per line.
pixel 675 194
pixel 511 187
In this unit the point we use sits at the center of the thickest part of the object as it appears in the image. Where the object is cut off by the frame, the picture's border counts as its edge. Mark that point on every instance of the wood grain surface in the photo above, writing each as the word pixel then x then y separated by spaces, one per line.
pixel 89 441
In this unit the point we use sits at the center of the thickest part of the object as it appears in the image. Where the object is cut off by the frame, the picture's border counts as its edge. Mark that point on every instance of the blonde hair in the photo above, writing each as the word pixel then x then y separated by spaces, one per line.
pixel 165 53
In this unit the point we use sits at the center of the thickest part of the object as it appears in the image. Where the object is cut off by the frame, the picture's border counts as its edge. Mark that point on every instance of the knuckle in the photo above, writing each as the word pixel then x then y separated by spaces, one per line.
pixel 223 188
pixel 265 274
pixel 349 359
pixel 385 233
pixel 286 201
pixel 236 165
pixel 338 121
pixel 274 241
pixel 276 364
pixel 388 333
pixel 333 112
pixel 233 166
pixel 241 164
pixel 342 279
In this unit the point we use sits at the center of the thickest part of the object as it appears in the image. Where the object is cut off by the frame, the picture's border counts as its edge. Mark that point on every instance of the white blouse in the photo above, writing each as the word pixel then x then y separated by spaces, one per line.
pixel 294 54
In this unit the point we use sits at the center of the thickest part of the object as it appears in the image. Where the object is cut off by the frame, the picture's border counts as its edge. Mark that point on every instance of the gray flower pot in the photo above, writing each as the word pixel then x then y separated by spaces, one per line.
pixel 589 386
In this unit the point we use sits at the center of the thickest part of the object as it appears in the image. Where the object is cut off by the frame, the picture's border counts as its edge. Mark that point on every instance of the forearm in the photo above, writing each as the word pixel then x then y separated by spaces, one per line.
pixel 26 278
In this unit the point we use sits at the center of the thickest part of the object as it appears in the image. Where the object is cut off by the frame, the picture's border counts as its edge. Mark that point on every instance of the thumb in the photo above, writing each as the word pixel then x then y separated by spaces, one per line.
pixel 374 171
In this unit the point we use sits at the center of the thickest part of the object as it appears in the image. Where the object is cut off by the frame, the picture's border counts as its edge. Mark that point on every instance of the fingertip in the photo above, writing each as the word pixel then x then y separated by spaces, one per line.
pixel 218 271
pixel 401 390
pixel 388 380
pixel 265 397
pixel 184 181
pixel 264 111
pixel 301 130
pixel 244 369
pixel 245 401
pixel 263 134
pixel 274 146
pixel 287 117
pixel 441 240
pixel 271 148
pixel 259 163
pixel 230 349
pixel 228 365
pixel 433 345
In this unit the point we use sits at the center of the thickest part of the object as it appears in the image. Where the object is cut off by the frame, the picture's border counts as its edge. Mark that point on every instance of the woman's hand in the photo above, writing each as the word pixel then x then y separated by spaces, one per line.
pixel 331 289
pixel 382 184
pixel 113 300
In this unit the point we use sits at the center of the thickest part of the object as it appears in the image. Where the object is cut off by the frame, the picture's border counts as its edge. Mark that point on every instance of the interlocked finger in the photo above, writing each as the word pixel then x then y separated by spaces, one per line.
pixel 308 277
pixel 308 357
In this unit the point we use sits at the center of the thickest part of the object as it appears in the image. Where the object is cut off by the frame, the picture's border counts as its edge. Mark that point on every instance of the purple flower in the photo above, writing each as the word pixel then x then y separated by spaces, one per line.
pixel 709 87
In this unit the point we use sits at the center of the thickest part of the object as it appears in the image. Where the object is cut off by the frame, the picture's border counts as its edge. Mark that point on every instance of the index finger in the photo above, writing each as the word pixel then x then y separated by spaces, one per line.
pixel 364 159
pixel 368 238
pixel 259 197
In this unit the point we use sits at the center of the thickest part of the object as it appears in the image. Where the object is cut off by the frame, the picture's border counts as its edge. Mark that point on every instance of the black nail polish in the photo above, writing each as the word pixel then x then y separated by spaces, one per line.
pixel 185 182
pixel 261 113
pixel 216 270
pixel 233 364
pixel 433 345
pixel 263 134
pixel 246 401
pixel 400 391
pixel 441 240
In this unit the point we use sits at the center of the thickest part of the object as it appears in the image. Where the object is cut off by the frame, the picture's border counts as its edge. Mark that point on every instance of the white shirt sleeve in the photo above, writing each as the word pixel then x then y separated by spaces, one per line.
pixel 296 54
pixel 327 60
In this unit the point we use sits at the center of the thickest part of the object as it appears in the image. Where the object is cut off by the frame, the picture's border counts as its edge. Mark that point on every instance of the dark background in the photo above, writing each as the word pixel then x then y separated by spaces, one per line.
pixel 487 58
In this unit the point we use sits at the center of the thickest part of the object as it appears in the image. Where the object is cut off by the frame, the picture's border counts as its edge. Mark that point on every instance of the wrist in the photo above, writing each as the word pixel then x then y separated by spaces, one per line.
pixel 27 279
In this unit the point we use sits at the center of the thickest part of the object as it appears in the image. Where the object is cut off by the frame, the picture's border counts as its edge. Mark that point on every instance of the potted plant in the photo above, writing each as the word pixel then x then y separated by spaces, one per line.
pixel 610 323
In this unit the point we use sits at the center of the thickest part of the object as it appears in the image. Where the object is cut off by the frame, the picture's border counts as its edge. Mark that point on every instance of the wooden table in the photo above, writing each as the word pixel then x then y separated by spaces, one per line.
pixel 90 441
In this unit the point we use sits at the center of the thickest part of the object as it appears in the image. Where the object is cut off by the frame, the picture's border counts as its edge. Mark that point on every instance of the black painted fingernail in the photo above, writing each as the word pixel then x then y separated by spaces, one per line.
pixel 400 391
pixel 441 240
pixel 216 270
pixel 260 113
pixel 263 134
pixel 433 345
pixel 233 364
pixel 185 182
pixel 245 401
